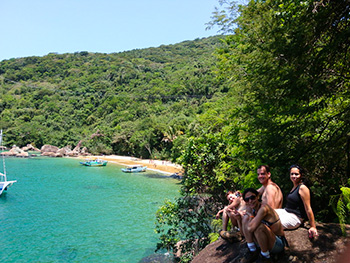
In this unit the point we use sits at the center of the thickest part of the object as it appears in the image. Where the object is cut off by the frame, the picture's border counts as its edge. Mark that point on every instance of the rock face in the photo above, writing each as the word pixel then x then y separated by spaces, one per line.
pixel 20 152
pixel 326 248
pixel 53 151
pixel 14 151
pixel 49 148
pixel 30 147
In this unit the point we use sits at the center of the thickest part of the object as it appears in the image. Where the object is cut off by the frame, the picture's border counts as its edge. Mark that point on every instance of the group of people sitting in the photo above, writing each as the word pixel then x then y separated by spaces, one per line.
pixel 259 217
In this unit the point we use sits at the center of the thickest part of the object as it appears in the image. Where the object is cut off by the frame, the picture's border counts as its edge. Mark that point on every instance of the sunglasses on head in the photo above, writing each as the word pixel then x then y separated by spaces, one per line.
pixel 252 197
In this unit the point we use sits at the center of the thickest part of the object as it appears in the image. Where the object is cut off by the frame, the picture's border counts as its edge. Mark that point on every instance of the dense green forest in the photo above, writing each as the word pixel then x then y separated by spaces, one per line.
pixel 140 100
pixel 273 89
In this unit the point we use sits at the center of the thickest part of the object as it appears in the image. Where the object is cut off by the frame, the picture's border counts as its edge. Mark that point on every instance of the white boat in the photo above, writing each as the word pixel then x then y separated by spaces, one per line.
pixel 134 169
pixel 4 184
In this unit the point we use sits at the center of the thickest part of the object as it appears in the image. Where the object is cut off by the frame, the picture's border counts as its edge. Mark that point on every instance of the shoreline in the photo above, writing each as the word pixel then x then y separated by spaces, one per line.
pixel 165 167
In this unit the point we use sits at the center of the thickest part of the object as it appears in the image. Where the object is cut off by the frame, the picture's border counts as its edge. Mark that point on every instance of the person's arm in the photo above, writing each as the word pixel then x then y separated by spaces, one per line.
pixel 218 214
pixel 305 196
pixel 256 221
pixel 230 206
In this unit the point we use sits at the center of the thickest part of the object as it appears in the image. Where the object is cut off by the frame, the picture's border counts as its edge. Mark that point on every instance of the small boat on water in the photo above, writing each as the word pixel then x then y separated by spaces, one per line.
pixel 96 162
pixel 4 184
pixel 134 169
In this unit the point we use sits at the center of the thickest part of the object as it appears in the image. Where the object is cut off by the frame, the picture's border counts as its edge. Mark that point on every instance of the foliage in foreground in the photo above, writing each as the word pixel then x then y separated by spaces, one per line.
pixel 184 225
pixel 341 206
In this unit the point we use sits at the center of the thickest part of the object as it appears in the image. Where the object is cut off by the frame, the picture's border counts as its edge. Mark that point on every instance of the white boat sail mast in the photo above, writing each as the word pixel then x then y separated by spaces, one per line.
pixel 4 184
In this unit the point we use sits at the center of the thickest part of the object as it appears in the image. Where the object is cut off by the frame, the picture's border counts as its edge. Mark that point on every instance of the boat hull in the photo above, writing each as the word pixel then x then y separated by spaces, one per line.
pixel 4 185
pixel 94 163
pixel 134 169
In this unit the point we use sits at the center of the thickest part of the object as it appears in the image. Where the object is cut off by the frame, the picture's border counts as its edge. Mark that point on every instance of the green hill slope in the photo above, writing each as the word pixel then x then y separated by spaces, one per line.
pixel 138 100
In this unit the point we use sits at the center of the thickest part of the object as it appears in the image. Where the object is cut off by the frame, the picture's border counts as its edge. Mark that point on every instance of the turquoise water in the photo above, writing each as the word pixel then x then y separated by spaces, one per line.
pixel 60 211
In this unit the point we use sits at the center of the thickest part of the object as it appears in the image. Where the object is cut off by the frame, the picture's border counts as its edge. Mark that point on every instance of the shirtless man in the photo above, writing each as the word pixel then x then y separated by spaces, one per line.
pixel 264 228
pixel 271 193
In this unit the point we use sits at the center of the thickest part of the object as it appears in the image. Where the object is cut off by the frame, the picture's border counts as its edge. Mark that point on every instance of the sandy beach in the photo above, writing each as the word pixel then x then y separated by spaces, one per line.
pixel 165 167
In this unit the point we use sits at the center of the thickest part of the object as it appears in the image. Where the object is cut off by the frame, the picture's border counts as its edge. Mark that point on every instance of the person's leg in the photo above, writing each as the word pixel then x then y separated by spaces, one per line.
pixel 225 219
pixel 234 221
pixel 278 247
pixel 253 252
pixel 265 238
pixel 247 234
pixel 249 237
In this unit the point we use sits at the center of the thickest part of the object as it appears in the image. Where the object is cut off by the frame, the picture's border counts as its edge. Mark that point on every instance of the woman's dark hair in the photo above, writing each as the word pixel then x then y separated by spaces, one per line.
pixel 301 171
pixel 251 190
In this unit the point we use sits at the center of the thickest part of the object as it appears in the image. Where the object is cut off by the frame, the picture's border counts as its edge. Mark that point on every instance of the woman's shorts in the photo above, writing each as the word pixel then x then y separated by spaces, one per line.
pixel 278 247
pixel 288 220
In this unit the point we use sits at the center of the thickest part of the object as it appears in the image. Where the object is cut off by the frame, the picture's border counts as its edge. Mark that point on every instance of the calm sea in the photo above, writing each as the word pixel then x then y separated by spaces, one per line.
pixel 60 211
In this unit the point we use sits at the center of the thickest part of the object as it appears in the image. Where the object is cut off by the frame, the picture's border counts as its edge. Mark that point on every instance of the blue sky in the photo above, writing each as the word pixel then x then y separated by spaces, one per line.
pixel 38 27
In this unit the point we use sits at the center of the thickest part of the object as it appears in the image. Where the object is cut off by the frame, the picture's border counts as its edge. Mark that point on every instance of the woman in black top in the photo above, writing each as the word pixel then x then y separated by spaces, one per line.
pixel 298 206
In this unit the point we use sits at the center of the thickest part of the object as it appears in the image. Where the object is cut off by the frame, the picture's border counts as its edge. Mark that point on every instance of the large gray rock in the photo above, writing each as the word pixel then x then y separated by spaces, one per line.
pixel 30 147
pixel 326 248
pixel 16 150
pixel 23 154
pixel 49 148
pixel 65 151
pixel 8 153
pixel 77 150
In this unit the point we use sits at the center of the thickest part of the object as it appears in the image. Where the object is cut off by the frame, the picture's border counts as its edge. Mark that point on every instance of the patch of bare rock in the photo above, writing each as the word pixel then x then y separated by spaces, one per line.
pixel 47 150
pixel 329 247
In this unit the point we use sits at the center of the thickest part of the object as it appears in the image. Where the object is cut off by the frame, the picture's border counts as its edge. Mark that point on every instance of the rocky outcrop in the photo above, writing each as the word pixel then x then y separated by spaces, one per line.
pixel 65 150
pixel 14 151
pixel 328 247
pixel 53 151
pixel 30 147
pixel 47 150
pixel 20 152
pixel 23 154
pixel 76 150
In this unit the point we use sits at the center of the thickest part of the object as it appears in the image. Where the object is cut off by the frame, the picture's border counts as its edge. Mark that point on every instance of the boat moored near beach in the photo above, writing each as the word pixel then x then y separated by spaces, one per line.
pixel 134 169
pixel 94 163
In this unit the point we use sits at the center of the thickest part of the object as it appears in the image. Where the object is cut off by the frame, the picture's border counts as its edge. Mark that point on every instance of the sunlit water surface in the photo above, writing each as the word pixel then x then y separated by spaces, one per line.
pixel 60 211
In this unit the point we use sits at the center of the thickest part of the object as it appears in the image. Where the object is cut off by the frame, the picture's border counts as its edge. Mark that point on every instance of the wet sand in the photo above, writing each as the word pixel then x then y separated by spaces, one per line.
pixel 165 167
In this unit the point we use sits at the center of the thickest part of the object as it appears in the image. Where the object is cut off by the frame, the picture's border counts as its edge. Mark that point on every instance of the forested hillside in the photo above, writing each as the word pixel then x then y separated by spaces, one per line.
pixel 140 100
